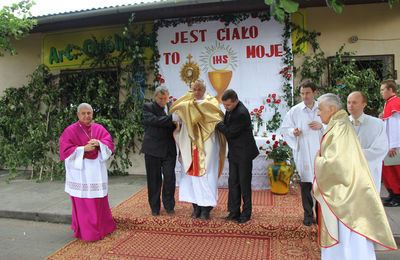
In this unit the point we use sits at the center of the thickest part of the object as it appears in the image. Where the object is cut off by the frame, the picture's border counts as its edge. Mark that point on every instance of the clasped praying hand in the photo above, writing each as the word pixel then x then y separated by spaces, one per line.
pixel 91 145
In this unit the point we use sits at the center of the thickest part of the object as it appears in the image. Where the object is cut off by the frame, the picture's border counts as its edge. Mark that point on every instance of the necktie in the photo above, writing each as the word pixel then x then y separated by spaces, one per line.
pixel 355 122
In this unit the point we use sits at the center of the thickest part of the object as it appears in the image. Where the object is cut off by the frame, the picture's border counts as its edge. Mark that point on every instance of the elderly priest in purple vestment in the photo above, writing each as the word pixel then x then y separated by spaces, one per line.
pixel 352 221
pixel 85 147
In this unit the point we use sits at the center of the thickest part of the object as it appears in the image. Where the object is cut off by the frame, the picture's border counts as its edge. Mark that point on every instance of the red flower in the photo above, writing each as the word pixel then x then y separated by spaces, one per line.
pixel 269 95
pixel 273 96
pixel 284 143
pixel 268 142
pixel 261 107
pixel 259 112
pixel 174 99
pixel 255 110
pixel 252 113
pixel 159 76
pixel 268 100
pixel 276 142
pixel 338 82
pixel 288 76
pixel 275 145
pixel 162 80
pixel 278 101
pixel 273 137
pixel 260 148
pixel 266 152
pixel 258 115
pixel 170 97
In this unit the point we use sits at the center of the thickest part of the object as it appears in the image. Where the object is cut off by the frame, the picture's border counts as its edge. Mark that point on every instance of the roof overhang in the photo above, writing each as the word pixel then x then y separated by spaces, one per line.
pixel 160 10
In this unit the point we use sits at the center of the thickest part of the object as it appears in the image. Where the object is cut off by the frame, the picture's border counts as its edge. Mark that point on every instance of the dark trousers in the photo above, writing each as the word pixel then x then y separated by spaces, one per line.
pixel 306 199
pixel 156 169
pixel 239 184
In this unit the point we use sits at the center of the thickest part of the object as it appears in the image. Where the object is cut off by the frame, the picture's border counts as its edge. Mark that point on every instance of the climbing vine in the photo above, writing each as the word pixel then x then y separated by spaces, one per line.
pixel 33 117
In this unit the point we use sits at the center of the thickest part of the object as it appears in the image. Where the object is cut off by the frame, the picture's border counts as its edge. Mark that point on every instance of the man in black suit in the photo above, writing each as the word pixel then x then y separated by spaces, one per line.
pixel 160 152
pixel 242 150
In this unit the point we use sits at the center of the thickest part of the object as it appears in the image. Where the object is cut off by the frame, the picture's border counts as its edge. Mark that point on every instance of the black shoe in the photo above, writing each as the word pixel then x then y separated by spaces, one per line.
pixel 388 198
pixel 205 212
pixel 196 211
pixel 155 213
pixel 170 211
pixel 392 203
pixel 307 222
pixel 242 220
pixel 231 216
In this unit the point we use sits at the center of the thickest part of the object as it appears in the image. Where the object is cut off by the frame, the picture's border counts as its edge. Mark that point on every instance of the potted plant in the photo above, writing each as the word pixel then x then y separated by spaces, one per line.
pixel 279 172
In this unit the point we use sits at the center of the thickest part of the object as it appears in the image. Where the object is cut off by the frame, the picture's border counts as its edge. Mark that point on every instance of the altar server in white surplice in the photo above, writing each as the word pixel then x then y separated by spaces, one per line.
pixel 302 130
pixel 371 134
pixel 202 149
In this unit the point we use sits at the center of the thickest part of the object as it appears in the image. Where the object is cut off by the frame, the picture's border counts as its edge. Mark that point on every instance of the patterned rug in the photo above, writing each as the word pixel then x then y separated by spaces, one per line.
pixel 274 232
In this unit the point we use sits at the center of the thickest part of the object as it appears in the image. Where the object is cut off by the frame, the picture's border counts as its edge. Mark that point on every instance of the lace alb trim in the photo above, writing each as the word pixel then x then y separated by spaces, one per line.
pixel 86 186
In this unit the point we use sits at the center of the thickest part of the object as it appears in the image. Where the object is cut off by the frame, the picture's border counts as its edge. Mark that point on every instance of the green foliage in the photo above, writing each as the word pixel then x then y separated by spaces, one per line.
pixel 15 22
pixel 346 77
pixel 33 117
pixel 279 7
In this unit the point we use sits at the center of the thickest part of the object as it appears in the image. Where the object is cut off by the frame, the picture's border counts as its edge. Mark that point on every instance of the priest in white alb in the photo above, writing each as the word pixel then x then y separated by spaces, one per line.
pixel 202 149
pixel 85 147
pixel 371 133
pixel 302 130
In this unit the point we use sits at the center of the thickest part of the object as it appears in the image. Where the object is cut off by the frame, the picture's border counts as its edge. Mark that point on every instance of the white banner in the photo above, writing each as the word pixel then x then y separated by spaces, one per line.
pixel 246 58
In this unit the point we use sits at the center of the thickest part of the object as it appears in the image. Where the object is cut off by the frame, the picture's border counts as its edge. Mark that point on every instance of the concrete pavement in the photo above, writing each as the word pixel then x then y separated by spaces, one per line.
pixel 47 201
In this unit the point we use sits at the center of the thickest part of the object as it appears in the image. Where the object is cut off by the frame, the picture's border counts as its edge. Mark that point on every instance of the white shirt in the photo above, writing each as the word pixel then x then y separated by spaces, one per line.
pixel 374 143
pixel 306 145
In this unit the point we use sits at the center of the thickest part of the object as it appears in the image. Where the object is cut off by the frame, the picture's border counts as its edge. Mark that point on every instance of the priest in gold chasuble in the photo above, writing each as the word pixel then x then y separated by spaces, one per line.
pixel 352 220
pixel 201 148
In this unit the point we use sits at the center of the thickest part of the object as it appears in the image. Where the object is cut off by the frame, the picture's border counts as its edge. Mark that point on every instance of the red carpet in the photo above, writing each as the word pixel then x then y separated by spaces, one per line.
pixel 274 232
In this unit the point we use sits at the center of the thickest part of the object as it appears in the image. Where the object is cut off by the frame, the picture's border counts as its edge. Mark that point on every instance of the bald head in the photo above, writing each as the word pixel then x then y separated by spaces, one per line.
pixel 356 102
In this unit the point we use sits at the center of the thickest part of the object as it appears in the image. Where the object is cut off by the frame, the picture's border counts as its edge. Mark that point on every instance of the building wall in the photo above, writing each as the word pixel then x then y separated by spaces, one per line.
pixel 15 69
pixel 376 26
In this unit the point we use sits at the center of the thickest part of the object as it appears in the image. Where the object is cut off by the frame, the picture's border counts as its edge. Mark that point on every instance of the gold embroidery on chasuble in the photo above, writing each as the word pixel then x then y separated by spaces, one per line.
pixel 200 119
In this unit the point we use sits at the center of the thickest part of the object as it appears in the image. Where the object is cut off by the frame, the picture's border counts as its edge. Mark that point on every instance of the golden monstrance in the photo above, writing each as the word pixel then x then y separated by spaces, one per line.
pixel 190 71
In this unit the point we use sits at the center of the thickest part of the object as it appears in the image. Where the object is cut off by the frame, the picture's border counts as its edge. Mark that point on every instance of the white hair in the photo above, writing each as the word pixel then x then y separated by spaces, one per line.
pixel 84 105
pixel 161 89
pixel 201 83
pixel 331 99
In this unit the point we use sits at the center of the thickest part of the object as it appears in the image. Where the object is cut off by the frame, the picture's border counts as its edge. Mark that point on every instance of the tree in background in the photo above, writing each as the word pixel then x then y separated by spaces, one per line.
pixel 15 22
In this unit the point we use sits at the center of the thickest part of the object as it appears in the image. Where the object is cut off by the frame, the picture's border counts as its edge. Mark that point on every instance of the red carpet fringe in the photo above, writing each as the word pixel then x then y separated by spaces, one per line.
pixel 274 232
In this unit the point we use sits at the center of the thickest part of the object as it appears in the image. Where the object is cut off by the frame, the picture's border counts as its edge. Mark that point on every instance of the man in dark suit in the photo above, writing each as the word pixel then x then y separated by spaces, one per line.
pixel 242 150
pixel 160 152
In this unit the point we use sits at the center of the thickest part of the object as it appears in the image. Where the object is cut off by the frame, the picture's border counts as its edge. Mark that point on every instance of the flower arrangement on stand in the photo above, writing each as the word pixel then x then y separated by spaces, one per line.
pixel 273 101
pixel 279 172
pixel 256 119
